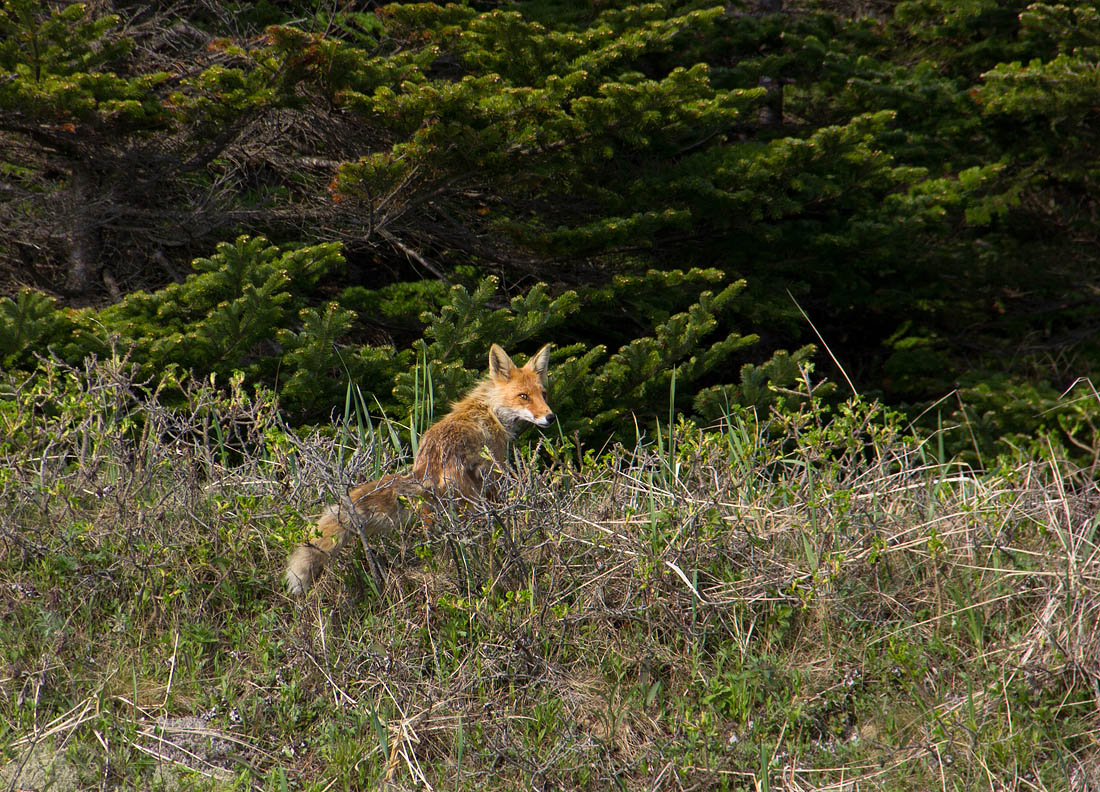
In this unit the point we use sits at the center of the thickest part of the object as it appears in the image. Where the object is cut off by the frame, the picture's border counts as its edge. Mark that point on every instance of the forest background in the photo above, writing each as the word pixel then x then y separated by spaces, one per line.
pixel 688 199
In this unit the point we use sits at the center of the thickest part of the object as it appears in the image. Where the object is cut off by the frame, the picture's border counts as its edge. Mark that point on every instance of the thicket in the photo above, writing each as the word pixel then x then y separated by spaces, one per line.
pixel 319 196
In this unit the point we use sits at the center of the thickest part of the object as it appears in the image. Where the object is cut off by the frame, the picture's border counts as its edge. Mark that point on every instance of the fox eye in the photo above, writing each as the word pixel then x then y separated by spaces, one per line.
pixel 525 397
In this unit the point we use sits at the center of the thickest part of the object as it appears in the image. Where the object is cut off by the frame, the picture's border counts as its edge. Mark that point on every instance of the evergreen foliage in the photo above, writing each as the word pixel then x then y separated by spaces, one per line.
pixel 243 311
pixel 919 177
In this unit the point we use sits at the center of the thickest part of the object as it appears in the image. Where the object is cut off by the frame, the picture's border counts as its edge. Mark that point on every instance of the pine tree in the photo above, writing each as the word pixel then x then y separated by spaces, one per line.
pixel 917 183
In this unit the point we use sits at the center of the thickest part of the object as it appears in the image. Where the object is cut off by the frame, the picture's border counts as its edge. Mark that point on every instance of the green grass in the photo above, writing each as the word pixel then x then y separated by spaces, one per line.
pixel 799 601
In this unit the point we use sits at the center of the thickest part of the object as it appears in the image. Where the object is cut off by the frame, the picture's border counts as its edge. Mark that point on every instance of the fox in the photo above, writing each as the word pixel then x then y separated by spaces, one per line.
pixel 459 459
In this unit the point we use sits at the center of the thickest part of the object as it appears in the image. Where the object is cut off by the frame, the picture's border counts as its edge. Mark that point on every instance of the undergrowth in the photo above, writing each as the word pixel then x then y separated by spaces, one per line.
pixel 804 600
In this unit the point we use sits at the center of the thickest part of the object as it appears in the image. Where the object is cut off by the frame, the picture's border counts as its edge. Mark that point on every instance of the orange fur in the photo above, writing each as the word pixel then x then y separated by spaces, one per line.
pixel 456 460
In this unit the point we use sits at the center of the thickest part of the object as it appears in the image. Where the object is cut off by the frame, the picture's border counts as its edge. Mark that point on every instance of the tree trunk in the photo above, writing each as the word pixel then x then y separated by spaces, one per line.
pixel 82 237
pixel 771 114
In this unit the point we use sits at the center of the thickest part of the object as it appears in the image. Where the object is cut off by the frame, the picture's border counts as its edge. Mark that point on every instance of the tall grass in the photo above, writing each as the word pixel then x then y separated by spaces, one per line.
pixel 802 601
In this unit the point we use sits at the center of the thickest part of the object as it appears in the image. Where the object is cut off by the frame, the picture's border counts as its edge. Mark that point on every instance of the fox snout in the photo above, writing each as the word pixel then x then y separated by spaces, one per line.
pixel 510 416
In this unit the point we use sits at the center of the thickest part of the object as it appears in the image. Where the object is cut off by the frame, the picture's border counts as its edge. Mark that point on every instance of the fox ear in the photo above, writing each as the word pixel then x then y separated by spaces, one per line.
pixel 500 365
pixel 540 363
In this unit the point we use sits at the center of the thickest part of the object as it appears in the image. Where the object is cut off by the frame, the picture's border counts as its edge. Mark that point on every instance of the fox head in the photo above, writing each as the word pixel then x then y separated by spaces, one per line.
pixel 518 393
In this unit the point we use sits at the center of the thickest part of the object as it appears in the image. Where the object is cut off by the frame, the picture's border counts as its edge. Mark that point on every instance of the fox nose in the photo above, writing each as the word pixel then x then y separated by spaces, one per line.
pixel 550 418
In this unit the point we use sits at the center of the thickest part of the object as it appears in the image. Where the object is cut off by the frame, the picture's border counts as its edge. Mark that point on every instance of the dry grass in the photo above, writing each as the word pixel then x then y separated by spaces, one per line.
pixel 806 602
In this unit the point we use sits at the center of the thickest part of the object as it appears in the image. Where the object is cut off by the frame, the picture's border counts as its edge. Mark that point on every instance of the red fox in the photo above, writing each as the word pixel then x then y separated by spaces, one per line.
pixel 451 462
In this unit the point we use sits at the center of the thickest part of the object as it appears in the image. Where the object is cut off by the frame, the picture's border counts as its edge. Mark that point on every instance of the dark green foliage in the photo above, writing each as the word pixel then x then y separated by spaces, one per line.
pixel 457 339
pixel 920 179
pixel 593 393
pixel 216 319
pixel 243 311
pixel 26 324
pixel 65 58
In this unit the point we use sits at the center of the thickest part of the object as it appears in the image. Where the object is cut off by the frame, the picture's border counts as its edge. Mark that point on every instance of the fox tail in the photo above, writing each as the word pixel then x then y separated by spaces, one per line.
pixel 370 509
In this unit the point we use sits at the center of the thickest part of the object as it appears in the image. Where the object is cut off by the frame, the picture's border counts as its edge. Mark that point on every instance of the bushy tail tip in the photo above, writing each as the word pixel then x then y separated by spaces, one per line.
pixel 302 568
